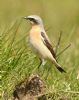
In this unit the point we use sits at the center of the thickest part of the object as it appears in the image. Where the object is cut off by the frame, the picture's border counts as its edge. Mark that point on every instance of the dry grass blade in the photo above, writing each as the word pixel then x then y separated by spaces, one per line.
pixel 63 50
pixel 58 43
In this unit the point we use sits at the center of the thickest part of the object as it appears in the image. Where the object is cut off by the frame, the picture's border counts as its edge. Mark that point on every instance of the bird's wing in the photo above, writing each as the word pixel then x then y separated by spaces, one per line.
pixel 47 43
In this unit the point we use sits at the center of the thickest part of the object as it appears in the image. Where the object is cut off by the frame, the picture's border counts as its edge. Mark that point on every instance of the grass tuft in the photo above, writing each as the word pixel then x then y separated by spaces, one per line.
pixel 18 62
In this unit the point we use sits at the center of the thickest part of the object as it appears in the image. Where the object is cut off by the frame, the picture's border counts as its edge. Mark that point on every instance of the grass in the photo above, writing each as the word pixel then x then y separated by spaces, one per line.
pixel 17 61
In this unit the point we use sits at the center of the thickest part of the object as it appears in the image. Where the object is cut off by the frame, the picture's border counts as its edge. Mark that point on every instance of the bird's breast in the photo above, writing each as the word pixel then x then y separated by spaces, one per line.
pixel 35 34
pixel 34 39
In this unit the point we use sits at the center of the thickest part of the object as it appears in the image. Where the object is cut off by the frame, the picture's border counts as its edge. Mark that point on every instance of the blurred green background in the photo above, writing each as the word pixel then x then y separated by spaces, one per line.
pixel 57 15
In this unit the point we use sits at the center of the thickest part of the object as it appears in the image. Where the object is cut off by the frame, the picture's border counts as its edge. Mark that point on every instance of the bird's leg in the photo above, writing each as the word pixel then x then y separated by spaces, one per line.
pixel 42 62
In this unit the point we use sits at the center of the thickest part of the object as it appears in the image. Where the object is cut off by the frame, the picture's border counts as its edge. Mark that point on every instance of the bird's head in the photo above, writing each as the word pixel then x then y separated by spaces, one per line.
pixel 34 19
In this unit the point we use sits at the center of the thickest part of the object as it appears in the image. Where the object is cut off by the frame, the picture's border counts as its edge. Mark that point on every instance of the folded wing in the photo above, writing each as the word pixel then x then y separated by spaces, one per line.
pixel 47 43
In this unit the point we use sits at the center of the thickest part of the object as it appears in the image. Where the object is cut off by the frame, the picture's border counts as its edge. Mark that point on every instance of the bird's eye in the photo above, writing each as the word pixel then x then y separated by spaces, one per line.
pixel 31 19
pixel 34 20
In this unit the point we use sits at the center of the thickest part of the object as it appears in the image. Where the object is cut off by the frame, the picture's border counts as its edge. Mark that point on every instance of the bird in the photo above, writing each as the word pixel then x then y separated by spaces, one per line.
pixel 40 42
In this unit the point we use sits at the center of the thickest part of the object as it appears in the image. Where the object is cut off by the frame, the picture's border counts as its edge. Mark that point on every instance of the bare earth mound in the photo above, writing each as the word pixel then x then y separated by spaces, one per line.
pixel 30 89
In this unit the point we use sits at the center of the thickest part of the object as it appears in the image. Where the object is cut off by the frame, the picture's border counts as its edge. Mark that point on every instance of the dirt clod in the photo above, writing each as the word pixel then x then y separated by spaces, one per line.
pixel 29 89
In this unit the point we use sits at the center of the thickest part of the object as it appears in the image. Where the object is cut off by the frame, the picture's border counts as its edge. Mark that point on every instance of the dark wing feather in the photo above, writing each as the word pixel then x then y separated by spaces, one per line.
pixel 48 45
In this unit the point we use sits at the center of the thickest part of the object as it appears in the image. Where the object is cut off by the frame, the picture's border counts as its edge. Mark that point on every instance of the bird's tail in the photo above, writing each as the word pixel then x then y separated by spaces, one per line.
pixel 60 68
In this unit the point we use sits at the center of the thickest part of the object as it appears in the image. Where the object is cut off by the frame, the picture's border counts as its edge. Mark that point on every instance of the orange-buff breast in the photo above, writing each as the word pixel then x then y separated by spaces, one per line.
pixel 35 33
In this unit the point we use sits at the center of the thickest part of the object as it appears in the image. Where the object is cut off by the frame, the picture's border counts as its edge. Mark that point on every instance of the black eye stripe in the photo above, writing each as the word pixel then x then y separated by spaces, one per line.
pixel 32 19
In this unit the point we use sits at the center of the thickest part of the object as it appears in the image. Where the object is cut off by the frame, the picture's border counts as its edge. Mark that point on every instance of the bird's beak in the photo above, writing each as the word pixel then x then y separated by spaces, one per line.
pixel 25 18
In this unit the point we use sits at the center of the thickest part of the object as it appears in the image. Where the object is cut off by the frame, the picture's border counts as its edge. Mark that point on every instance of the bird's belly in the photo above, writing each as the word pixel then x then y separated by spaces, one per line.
pixel 33 47
pixel 36 48
pixel 40 49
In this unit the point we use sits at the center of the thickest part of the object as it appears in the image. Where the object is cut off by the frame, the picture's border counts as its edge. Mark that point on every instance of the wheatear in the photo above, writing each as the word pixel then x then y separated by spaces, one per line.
pixel 40 41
